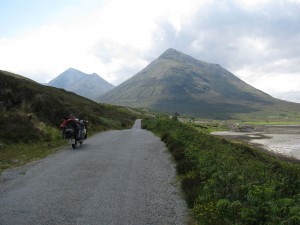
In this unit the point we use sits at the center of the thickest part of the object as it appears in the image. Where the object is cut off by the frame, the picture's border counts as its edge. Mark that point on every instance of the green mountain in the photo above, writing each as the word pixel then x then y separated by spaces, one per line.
pixel 177 82
pixel 28 109
pixel 87 85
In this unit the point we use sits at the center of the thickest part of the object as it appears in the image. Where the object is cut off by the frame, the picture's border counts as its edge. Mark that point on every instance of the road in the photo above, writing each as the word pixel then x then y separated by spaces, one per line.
pixel 116 177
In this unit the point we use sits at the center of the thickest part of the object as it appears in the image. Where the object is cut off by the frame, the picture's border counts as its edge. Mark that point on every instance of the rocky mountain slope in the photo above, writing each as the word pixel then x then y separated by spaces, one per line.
pixel 87 85
pixel 177 82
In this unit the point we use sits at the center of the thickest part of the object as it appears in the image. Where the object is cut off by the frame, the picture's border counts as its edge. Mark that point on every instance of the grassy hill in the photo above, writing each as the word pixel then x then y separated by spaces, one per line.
pixel 31 114
pixel 177 82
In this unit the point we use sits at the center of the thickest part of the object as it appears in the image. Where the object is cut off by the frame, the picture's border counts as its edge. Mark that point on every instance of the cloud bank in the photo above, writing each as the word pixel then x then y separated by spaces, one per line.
pixel 258 41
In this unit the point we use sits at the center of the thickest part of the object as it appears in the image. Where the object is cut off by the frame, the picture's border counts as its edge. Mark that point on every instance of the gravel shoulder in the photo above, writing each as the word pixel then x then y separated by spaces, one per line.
pixel 116 177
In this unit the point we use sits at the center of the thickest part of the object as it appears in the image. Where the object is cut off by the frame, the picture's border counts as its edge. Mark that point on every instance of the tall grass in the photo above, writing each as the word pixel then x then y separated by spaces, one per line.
pixel 23 150
pixel 19 154
pixel 228 183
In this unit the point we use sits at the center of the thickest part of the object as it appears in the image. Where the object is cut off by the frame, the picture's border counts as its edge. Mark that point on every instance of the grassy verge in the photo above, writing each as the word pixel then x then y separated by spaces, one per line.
pixel 227 183
pixel 16 155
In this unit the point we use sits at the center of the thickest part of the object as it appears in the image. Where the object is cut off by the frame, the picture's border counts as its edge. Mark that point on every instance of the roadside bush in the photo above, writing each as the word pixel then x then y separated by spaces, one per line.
pixel 179 153
pixel 18 129
pixel 191 185
pixel 228 183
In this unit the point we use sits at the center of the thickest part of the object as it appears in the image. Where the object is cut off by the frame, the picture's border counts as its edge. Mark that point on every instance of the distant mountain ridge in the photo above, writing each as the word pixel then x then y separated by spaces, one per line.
pixel 178 82
pixel 87 85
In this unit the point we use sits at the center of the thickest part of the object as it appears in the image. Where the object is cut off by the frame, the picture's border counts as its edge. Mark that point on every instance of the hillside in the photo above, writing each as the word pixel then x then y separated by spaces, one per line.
pixel 87 85
pixel 28 109
pixel 177 82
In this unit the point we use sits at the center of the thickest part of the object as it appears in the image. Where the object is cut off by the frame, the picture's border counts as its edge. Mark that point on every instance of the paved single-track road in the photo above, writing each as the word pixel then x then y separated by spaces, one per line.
pixel 116 177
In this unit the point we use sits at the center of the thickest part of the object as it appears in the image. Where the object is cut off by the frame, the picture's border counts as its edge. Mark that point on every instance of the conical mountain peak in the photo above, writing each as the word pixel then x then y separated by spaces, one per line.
pixel 87 85
pixel 170 53
pixel 71 69
pixel 178 82
pixel 173 55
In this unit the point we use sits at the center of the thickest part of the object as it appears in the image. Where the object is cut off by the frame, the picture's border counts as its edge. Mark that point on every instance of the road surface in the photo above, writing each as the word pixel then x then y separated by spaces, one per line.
pixel 116 177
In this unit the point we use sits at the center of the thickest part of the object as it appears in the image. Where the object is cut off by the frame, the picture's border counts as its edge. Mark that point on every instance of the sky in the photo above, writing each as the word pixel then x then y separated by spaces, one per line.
pixel 256 40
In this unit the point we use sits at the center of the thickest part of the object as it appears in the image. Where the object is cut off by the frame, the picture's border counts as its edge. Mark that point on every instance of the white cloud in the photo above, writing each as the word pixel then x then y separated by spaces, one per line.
pixel 295 1
pixel 252 4
pixel 105 40
pixel 270 82
pixel 257 40
pixel 292 96
pixel 50 48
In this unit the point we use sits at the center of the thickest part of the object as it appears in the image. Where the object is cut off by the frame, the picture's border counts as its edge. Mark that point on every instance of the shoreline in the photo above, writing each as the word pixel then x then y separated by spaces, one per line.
pixel 283 143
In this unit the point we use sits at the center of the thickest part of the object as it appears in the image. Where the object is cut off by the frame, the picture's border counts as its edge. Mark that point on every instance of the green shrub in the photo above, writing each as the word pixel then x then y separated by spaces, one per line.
pixel 228 183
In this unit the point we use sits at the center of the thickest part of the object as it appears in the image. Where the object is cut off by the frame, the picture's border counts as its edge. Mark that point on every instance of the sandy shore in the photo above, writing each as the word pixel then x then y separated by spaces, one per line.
pixel 278 139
